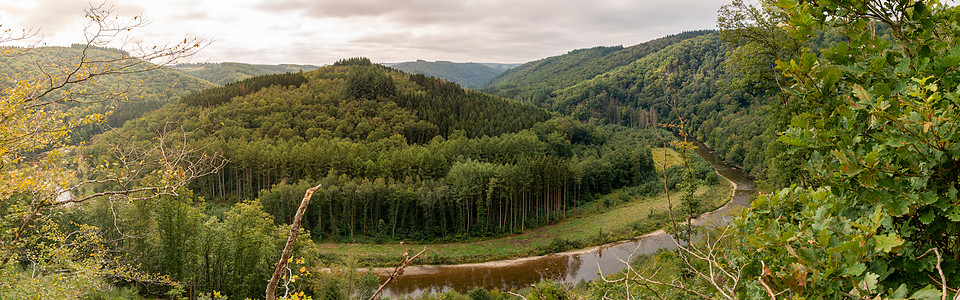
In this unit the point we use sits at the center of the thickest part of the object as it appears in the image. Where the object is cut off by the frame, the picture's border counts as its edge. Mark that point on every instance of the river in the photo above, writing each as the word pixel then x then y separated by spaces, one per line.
pixel 568 267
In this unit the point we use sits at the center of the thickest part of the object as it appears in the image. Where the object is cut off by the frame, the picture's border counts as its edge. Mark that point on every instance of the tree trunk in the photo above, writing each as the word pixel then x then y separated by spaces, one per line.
pixel 291 241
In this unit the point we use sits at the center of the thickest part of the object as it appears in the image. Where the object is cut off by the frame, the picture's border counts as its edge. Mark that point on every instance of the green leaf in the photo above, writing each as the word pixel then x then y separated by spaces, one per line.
pixel 901 292
pixel 800 121
pixel 862 94
pixel 929 197
pixel 823 238
pixel 855 270
pixel 869 282
pixel 886 243
pixel 927 293
pixel 868 179
pixel 871 159
pixel 927 216
pixel 954 214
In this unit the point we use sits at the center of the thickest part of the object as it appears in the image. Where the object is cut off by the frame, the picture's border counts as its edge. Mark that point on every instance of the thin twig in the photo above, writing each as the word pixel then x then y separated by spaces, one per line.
pixel 395 275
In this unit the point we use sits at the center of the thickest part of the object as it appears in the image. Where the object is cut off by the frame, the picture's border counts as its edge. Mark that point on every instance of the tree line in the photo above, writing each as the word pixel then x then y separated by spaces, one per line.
pixel 409 151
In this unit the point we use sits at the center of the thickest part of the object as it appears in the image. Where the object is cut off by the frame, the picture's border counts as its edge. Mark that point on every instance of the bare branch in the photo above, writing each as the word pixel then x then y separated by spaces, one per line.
pixel 943 279
pixel 291 241
pixel 397 271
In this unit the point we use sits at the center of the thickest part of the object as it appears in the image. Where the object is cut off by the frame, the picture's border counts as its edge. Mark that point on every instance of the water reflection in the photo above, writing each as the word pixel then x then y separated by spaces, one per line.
pixel 571 267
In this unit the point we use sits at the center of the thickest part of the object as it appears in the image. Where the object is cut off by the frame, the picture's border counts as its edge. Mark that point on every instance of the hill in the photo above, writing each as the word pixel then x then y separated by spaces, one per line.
pixel 469 75
pixel 537 79
pixel 678 76
pixel 226 72
pixel 133 94
pixel 399 156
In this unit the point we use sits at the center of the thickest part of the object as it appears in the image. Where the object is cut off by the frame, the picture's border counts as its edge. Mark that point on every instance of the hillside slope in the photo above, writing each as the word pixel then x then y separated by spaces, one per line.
pixel 537 79
pixel 226 72
pixel 399 156
pixel 468 75
pixel 683 79
pixel 141 91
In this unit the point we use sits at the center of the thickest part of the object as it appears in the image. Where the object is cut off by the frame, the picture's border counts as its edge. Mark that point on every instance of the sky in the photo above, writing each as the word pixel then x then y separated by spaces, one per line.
pixel 319 32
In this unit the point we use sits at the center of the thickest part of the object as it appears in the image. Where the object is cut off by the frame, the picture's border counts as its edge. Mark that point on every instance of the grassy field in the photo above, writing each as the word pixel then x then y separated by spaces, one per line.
pixel 672 158
pixel 603 221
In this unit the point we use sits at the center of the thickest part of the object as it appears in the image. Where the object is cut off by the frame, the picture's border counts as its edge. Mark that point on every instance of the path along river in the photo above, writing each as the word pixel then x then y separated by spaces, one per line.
pixel 567 267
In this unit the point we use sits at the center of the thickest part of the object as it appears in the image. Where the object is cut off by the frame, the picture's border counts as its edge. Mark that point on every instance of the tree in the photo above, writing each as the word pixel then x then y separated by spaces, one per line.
pixel 370 82
pixel 874 114
pixel 881 214
pixel 40 178
pixel 758 42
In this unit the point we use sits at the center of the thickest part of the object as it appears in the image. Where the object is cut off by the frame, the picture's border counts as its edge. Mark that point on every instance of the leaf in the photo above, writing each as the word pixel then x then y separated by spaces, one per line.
pixel 927 292
pixel 868 179
pixel 823 238
pixel 861 93
pixel 927 217
pixel 901 292
pixel 869 282
pixel 885 243
pixel 871 159
pixel 855 270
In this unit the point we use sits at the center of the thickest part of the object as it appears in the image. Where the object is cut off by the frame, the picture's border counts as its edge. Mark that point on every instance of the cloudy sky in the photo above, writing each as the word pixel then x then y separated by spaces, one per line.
pixel 321 31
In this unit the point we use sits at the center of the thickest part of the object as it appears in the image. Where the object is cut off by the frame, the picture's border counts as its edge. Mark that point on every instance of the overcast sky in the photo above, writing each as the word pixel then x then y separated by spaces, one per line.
pixel 321 31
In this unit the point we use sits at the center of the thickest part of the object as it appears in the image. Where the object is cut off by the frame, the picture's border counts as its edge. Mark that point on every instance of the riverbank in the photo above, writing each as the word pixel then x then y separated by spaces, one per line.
pixel 597 225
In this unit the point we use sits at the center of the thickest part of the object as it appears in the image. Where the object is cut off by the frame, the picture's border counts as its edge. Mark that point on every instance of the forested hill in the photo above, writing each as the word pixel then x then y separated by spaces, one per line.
pixel 141 92
pixel 469 75
pixel 686 72
pixel 226 72
pixel 420 156
pixel 537 79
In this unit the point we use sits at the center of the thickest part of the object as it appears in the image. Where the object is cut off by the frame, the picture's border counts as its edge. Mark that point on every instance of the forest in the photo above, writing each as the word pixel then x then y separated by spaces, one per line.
pixel 845 112
pixel 404 156
pixel 227 72
pixel 468 75
pixel 399 158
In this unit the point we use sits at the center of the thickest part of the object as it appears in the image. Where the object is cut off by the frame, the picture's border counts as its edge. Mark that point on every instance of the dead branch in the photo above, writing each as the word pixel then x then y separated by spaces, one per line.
pixel 943 279
pixel 397 271
pixel 291 241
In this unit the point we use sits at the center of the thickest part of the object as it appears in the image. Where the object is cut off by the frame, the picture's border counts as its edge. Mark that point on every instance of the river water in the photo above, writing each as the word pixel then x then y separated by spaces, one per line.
pixel 568 267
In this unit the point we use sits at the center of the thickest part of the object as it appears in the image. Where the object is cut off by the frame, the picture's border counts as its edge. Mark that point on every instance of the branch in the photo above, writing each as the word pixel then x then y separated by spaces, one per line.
pixel 396 272
pixel 291 241
pixel 943 279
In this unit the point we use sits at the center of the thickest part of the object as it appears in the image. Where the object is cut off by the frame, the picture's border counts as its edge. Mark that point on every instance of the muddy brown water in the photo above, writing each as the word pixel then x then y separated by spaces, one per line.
pixel 568 267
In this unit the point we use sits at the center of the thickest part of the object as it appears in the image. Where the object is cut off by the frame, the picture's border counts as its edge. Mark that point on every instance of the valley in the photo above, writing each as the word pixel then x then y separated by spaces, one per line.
pixel 799 149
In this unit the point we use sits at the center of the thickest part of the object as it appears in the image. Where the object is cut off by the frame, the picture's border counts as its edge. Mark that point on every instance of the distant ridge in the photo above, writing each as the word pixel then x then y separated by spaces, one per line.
pixel 468 75
pixel 544 76
pixel 227 72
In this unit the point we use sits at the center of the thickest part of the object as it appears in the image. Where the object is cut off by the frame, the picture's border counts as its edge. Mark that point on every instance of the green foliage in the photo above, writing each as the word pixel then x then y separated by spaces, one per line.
pixel 448 108
pixel 548 290
pixel 136 93
pixel 219 95
pixel 535 80
pixel 343 282
pixel 469 75
pixel 178 237
pixel 227 72
pixel 423 160
pixel 353 61
pixel 689 76
pixel 370 83
pixel 878 122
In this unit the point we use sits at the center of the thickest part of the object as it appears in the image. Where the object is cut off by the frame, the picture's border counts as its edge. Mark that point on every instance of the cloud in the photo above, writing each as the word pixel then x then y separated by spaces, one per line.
pixel 517 29
pixel 321 31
